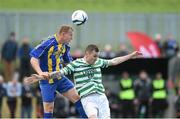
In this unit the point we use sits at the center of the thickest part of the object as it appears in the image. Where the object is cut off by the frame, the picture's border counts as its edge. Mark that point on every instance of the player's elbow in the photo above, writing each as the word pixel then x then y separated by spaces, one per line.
pixel 112 62
pixel 33 60
pixel 116 61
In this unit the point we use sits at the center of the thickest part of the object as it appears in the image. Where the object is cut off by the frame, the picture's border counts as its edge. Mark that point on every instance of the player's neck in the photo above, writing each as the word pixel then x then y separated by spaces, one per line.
pixel 87 61
pixel 59 39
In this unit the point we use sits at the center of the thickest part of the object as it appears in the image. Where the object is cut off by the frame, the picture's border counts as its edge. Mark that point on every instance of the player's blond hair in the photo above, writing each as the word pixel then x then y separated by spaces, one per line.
pixel 65 29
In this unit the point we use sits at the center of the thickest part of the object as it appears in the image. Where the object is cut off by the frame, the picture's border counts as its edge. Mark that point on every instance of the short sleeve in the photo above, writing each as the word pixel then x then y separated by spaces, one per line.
pixel 68 69
pixel 103 63
pixel 38 51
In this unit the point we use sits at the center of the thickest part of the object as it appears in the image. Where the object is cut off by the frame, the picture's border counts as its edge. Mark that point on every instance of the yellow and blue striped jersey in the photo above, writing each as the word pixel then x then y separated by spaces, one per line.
pixel 51 55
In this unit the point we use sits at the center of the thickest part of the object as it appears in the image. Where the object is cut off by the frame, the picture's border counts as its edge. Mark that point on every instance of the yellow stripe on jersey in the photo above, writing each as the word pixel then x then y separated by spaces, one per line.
pixel 63 50
pixel 50 62
pixel 58 61
pixel 55 35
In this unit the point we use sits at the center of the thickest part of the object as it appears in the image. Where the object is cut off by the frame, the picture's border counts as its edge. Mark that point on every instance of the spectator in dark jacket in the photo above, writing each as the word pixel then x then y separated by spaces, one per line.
pixel 122 50
pixel 143 94
pixel 107 53
pixel 23 53
pixel 2 93
pixel 26 97
pixel 170 46
pixel 177 103
pixel 9 51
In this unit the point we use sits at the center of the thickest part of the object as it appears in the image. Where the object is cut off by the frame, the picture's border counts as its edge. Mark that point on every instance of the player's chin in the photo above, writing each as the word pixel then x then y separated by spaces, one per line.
pixel 93 62
pixel 68 41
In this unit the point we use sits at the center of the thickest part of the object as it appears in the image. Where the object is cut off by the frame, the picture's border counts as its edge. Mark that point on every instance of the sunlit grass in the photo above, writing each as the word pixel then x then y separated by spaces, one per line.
pixel 147 6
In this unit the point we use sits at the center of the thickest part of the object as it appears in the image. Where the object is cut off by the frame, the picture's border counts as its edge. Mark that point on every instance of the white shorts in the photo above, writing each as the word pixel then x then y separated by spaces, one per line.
pixel 96 104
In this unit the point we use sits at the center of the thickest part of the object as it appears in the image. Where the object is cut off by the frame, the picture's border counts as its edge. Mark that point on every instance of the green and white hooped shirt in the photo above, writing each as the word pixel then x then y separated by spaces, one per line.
pixel 87 78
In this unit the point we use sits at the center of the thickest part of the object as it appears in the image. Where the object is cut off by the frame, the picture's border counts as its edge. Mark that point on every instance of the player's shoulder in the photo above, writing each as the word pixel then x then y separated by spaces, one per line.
pixel 50 40
pixel 79 60
pixel 100 60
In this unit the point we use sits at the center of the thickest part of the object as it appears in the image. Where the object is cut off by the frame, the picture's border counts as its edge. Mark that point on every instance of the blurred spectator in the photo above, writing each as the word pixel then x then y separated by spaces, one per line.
pixel 39 103
pixel 26 101
pixel 159 96
pixel 2 94
pixel 177 103
pixel 158 41
pixel 77 53
pixel 14 90
pixel 113 103
pixel 122 50
pixel 127 96
pixel 23 53
pixel 107 52
pixel 73 112
pixel 143 94
pixel 170 46
pixel 9 51
pixel 174 69
pixel 61 107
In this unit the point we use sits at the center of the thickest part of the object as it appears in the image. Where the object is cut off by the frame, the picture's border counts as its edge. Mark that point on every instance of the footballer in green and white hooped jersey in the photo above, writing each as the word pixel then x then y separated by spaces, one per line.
pixel 88 80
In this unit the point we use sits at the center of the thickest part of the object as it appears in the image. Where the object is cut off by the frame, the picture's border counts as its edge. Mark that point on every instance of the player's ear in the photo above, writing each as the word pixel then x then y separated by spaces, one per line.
pixel 63 33
pixel 86 53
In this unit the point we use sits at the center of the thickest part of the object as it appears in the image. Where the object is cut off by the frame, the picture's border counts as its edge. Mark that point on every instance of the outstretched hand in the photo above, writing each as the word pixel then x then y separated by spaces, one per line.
pixel 136 54
pixel 44 75
pixel 33 79
pixel 30 80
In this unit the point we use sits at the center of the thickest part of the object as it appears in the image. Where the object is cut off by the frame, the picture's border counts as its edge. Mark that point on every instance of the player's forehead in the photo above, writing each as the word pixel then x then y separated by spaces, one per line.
pixel 70 31
pixel 66 30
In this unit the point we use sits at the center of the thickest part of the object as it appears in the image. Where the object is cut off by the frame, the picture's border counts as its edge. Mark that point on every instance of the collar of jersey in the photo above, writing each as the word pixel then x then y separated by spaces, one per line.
pixel 55 36
pixel 84 61
pixel 88 63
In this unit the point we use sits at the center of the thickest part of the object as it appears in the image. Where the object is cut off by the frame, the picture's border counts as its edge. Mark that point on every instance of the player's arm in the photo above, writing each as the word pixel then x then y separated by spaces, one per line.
pixel 35 64
pixel 35 77
pixel 118 60
pixel 35 54
pixel 68 69
pixel 56 74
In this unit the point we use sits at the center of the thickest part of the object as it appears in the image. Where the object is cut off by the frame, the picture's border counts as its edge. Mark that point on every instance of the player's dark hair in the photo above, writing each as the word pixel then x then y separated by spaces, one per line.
pixel 91 48
pixel 65 28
